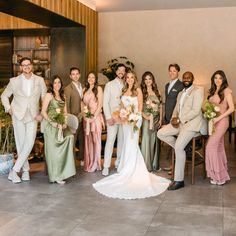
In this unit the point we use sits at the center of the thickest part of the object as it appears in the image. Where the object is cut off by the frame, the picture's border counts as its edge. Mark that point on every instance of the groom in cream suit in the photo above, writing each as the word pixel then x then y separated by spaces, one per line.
pixel 27 89
pixel 187 120
pixel 111 103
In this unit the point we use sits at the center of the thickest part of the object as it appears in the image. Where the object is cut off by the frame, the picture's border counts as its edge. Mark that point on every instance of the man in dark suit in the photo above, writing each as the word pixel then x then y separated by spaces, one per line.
pixel 172 90
pixel 74 95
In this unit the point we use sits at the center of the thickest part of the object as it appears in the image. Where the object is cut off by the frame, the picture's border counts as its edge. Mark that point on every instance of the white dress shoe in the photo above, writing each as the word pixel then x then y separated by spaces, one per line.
pixel 25 176
pixel 13 176
pixel 213 182
pixel 105 171
pixel 61 182
pixel 221 183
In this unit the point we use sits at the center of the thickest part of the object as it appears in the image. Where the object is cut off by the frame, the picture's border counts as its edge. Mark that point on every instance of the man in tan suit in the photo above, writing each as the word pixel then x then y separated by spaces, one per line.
pixel 27 89
pixel 187 120
pixel 74 95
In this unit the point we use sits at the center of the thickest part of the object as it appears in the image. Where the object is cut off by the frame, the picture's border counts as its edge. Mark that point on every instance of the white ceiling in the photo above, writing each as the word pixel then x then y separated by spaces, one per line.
pixel 136 5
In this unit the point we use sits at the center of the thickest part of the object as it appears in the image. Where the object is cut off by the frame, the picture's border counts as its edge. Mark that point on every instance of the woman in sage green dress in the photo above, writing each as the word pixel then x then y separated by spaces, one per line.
pixel 152 114
pixel 58 140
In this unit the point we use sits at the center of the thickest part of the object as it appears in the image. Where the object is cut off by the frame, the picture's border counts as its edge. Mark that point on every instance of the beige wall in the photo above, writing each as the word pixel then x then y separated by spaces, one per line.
pixel 199 40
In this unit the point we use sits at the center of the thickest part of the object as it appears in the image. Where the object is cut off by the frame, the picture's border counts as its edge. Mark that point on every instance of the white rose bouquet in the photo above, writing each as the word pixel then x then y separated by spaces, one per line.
pixel 210 112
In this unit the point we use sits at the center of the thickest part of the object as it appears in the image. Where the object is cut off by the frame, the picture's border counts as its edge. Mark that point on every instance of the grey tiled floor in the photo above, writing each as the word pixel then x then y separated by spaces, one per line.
pixel 40 208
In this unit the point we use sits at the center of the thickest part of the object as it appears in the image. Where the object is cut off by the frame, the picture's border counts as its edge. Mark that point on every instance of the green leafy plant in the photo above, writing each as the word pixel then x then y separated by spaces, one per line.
pixel 7 141
pixel 110 70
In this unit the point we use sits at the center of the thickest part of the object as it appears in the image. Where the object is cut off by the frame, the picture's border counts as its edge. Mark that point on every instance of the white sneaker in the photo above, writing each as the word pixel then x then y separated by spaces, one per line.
pixel 105 171
pixel 116 164
pixel 81 163
pixel 25 176
pixel 61 182
pixel 13 176
pixel 213 182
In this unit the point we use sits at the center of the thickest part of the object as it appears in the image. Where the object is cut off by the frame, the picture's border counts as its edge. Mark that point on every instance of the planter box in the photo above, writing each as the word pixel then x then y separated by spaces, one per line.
pixel 6 163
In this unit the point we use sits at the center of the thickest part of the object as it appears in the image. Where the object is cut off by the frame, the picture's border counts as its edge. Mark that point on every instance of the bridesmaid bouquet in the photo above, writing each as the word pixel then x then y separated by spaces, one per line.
pixel 87 114
pixel 127 115
pixel 151 108
pixel 210 112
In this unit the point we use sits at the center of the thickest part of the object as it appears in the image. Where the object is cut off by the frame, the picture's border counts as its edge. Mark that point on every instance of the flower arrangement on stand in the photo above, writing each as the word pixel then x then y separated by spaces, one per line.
pixel 210 112
pixel 110 70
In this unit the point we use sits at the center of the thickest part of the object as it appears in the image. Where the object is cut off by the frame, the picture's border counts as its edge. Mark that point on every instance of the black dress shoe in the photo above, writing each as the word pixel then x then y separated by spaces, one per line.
pixel 176 185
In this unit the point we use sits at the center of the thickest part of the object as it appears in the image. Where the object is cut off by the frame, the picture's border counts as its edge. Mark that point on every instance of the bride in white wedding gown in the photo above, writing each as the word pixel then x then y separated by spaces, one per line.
pixel 133 181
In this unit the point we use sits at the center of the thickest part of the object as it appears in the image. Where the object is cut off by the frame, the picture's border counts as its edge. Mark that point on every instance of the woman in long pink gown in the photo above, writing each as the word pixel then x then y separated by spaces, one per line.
pixel 92 102
pixel 216 160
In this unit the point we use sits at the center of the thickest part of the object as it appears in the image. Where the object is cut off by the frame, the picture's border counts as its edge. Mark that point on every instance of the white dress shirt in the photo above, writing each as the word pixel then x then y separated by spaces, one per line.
pixel 171 84
pixel 27 85
pixel 79 88
pixel 181 101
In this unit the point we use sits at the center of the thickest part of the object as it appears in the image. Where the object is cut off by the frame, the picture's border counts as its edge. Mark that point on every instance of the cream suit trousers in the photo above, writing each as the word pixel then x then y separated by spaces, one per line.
pixel 111 137
pixel 25 134
pixel 167 134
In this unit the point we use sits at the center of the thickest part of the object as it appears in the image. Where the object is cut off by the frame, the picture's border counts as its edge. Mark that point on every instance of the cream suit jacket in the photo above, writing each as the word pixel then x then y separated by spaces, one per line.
pixel 191 112
pixel 21 103
pixel 111 99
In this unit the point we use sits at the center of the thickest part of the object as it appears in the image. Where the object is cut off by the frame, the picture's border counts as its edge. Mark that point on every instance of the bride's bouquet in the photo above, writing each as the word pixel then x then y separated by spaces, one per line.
pixel 211 111
pixel 127 115
pixel 87 114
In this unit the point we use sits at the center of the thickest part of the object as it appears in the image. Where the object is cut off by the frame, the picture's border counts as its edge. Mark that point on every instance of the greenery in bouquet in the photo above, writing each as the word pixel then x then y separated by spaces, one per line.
pixel 210 110
pixel 110 70
pixel 151 107
pixel 88 113
pixel 57 116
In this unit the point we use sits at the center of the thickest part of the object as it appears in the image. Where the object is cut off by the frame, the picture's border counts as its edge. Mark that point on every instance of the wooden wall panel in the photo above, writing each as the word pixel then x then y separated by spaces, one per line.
pixel 71 9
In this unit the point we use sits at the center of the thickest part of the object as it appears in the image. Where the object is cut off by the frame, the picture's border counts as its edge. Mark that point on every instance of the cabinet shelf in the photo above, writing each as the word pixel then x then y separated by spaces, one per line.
pixel 31 49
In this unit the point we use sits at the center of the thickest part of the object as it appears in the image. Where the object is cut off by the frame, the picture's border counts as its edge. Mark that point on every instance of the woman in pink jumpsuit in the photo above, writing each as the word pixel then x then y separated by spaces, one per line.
pixel 216 160
pixel 93 123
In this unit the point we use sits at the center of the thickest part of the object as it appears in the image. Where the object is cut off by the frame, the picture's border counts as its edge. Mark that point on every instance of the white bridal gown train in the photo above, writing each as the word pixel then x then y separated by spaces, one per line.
pixel 133 181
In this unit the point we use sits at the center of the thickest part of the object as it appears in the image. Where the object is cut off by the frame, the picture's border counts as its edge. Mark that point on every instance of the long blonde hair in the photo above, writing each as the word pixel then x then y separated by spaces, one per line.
pixel 134 91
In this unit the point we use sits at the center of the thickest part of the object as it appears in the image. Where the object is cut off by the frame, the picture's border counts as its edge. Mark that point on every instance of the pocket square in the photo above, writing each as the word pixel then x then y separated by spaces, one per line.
pixel 174 90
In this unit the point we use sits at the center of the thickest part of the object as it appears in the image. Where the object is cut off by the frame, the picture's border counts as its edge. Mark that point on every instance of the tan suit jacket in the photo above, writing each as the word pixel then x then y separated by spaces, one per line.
pixel 191 113
pixel 22 103
pixel 73 99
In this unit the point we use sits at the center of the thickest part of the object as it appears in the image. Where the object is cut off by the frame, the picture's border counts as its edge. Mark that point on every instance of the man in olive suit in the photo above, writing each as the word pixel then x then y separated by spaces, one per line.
pixel 26 89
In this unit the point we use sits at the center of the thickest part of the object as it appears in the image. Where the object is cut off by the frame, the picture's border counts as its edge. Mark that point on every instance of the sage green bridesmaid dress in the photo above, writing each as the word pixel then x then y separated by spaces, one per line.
pixel 59 154
pixel 150 145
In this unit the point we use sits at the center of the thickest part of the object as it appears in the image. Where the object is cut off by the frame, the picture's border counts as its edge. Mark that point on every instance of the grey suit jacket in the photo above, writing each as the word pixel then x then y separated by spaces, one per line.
pixel 191 113
pixel 22 103
pixel 171 99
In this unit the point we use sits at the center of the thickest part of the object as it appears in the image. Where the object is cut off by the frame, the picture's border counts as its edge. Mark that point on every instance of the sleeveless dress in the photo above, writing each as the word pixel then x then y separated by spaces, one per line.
pixel 133 181
pixel 92 140
pixel 59 154
pixel 216 160
pixel 150 145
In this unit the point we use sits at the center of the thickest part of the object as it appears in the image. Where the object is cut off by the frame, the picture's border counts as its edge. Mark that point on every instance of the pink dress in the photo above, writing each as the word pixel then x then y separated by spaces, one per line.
pixel 216 160
pixel 92 136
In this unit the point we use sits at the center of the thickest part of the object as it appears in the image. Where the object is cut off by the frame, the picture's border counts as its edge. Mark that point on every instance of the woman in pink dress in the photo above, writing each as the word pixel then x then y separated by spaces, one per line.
pixel 93 123
pixel 216 161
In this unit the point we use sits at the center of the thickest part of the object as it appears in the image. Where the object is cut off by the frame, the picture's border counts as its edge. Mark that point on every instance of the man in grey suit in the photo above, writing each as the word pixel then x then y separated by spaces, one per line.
pixel 187 120
pixel 27 89
pixel 74 96
pixel 111 103
pixel 172 90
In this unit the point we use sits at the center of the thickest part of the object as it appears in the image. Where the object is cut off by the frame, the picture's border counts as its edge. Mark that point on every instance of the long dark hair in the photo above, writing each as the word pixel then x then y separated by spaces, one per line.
pixel 154 86
pixel 87 85
pixel 222 87
pixel 134 91
pixel 51 90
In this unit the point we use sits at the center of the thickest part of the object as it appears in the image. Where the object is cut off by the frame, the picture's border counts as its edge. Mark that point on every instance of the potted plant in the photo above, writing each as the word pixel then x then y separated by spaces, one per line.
pixel 110 70
pixel 7 142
